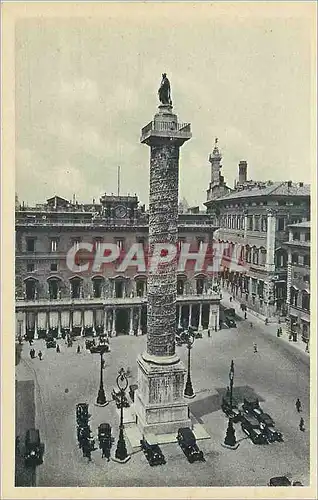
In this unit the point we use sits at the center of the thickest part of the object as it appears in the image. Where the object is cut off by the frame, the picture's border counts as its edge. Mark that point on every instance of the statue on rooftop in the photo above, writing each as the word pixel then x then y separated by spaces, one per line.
pixel 164 91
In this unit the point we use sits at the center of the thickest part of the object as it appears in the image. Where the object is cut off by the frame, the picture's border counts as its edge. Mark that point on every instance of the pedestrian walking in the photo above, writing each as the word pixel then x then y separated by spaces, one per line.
pixel 209 332
pixel 301 424
pixel 298 405
pixel 245 315
pixel 307 347
pixel 40 355
pixel 231 298
pixel 266 321
pixel 255 347
pixel 58 348
pixel 78 350
pixel 31 353
pixel 251 324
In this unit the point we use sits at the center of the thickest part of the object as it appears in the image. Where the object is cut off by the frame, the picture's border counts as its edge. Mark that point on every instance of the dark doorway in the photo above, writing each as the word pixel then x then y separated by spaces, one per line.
pixel 97 287
pixel 122 321
pixel 140 288
pixel 180 287
pixel 200 286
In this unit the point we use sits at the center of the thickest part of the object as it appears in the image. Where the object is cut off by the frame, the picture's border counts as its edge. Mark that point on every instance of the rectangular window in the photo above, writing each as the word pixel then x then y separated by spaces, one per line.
pixel 256 222
pixel 296 236
pixel 280 224
pixel 200 241
pixel 53 267
pixel 76 242
pixel 30 244
pixel 307 237
pixel 30 267
pixel 53 244
pixel 306 260
pixel 249 223
pixel 97 243
pixel 120 243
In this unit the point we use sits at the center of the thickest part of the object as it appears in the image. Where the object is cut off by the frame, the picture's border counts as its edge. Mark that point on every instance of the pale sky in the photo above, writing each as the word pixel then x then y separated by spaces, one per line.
pixel 85 87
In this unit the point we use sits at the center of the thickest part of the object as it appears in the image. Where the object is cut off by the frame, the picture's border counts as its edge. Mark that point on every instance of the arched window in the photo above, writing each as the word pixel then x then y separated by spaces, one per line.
pixel 54 285
pixel 30 288
pixel 98 285
pixel 293 296
pixel 305 300
pixel 76 287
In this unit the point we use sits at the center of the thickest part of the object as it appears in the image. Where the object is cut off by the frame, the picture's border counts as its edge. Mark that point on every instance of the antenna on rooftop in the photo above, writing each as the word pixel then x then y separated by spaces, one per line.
pixel 118 180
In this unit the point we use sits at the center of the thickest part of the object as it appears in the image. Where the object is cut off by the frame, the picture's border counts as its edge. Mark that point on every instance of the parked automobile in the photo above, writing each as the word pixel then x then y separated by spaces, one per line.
pixel 229 322
pixel 34 449
pixel 279 481
pixel 233 411
pixel 51 343
pixel 99 348
pixel 249 405
pixel 271 433
pixel 187 442
pixel 264 418
pixel 153 453
pixel 104 433
pixel 250 426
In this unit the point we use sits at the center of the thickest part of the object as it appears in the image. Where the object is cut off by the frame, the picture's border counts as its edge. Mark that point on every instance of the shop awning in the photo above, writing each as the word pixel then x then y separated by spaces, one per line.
pixel 77 318
pixel 42 320
pixel 54 319
pixel 88 318
pixel 99 317
pixel 65 319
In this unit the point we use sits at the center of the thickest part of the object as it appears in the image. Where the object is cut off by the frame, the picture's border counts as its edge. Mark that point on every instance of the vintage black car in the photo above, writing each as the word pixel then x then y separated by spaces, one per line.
pixel 279 481
pixel 250 426
pixel 104 433
pixel 187 442
pixel 230 323
pixel 249 405
pixel 99 348
pixel 271 433
pixel 83 433
pixel 51 343
pixel 34 449
pixel 233 411
pixel 82 414
pixel 153 453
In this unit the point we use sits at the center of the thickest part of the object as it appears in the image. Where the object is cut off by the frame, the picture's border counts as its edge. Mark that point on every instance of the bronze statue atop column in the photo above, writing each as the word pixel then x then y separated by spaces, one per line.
pixel 164 91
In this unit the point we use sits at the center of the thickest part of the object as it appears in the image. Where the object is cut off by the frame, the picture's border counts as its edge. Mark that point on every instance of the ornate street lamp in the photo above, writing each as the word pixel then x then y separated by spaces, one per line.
pixel 101 397
pixel 230 439
pixel 231 376
pixel 121 454
pixel 189 338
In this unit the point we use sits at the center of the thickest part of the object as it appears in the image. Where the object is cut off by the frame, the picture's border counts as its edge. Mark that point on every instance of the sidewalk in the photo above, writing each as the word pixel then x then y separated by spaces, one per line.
pixel 270 328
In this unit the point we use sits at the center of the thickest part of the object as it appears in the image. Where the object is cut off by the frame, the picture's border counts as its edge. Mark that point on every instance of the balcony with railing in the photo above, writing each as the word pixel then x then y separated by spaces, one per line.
pixel 171 129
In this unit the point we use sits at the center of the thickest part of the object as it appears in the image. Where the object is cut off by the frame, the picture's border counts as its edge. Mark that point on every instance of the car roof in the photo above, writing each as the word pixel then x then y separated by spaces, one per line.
pixel 104 426
pixel 187 432
pixel 251 420
pixel 33 434
pixel 280 481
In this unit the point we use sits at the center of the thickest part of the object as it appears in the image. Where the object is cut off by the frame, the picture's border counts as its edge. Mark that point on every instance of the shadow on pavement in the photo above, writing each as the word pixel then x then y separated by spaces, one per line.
pixel 212 403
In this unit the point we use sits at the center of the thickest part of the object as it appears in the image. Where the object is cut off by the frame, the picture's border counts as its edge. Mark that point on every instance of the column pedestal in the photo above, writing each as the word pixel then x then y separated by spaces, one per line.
pixel 159 401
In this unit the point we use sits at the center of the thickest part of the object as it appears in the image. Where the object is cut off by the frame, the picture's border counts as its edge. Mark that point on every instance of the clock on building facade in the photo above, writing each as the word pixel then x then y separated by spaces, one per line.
pixel 120 211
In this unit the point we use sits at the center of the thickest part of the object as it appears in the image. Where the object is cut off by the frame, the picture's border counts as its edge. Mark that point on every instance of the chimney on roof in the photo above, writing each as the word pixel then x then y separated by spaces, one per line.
pixel 301 184
pixel 242 172
pixel 289 184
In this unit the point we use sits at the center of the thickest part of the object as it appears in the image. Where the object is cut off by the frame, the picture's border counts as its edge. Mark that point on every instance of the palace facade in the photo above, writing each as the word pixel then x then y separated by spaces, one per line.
pixel 53 299
pixel 253 220
pixel 298 281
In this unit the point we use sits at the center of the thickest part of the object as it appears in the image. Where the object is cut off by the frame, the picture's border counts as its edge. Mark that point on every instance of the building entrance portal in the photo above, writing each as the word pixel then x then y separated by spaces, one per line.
pixel 122 322
pixel 119 289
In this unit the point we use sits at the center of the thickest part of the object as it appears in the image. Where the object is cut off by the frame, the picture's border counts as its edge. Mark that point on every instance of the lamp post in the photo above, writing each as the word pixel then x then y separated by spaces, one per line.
pixel 121 454
pixel 101 397
pixel 231 376
pixel 188 391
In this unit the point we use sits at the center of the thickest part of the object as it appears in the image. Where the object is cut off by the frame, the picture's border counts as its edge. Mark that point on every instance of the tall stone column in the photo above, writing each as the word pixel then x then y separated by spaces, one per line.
pixel 139 331
pixel 190 315
pixel 114 323
pixel 159 402
pixel 200 326
pixel 131 322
